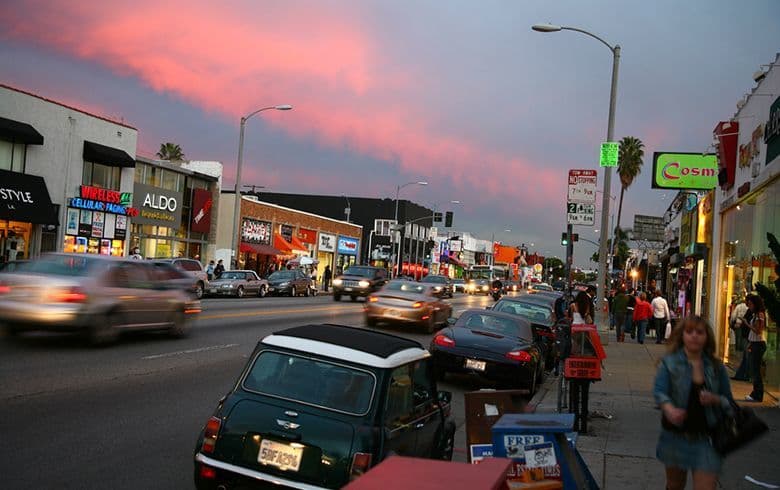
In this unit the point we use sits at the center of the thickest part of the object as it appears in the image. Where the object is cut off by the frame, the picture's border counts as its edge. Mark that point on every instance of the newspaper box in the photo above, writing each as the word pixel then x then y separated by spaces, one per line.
pixel 483 409
pixel 542 457
pixel 584 362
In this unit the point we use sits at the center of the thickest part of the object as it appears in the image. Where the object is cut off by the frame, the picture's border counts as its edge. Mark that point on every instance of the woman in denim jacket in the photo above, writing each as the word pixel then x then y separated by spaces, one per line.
pixel 692 389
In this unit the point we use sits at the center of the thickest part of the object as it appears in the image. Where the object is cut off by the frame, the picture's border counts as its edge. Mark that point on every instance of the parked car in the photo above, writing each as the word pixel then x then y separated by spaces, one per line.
pixel 166 272
pixel 512 286
pixel 442 282
pixel 540 311
pixel 459 285
pixel 238 283
pixel 195 269
pixel 409 303
pixel 97 295
pixel 539 286
pixel 493 345
pixel 359 281
pixel 319 405
pixel 559 285
pixel 291 282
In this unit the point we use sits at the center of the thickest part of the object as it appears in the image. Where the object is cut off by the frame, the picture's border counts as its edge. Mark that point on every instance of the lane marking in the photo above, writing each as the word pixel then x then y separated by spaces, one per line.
pixel 190 351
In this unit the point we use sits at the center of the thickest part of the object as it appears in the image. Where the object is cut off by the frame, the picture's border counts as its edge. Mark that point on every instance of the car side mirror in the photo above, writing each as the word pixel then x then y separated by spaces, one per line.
pixel 451 321
pixel 445 396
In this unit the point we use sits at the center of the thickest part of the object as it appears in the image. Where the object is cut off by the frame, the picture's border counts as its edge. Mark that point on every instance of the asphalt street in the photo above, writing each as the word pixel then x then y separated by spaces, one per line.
pixel 127 416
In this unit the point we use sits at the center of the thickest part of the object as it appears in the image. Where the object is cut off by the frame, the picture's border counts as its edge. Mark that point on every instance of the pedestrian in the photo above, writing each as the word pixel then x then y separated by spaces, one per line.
pixel 135 253
pixel 610 298
pixel 582 309
pixel 757 339
pixel 219 269
pixel 692 390
pixel 620 307
pixel 642 314
pixel 740 319
pixel 326 277
pixel 629 327
pixel 661 316
pixel 210 270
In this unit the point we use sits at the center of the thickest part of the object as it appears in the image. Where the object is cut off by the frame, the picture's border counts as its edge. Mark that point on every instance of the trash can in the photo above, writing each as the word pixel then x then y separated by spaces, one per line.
pixel 542 456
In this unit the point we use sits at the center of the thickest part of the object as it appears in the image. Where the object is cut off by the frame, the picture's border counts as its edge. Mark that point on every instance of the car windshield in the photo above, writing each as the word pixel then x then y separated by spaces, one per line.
pixel 282 276
pixel 436 279
pixel 405 286
pixel 481 274
pixel 534 313
pixel 311 381
pixel 495 324
pixel 61 265
pixel 233 275
pixel 541 287
pixel 359 271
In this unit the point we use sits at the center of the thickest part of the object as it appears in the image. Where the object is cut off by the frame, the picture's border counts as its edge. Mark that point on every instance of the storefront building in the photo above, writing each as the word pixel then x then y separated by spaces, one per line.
pixel 748 207
pixel 67 177
pixel 173 208
pixel 272 235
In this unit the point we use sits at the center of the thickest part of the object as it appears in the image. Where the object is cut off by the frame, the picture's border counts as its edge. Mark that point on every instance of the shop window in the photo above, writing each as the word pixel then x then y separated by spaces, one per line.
pixel 140 171
pixel 172 181
pixel 153 176
pixel 99 175
pixel 12 156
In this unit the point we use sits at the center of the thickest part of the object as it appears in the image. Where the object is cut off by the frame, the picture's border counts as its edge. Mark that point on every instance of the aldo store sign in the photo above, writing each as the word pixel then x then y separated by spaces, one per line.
pixel 157 206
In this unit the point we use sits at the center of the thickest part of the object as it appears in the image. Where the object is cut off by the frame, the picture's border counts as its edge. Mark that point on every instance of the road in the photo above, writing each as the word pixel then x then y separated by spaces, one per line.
pixel 127 416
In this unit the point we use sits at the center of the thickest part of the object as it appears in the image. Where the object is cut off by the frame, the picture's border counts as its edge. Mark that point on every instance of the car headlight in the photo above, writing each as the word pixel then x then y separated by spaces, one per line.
pixel 227 285
pixel 284 284
pixel 364 284
pixel 484 288
pixel 337 282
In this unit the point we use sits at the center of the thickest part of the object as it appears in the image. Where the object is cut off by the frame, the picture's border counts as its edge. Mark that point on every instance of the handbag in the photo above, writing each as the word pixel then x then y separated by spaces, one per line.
pixel 734 431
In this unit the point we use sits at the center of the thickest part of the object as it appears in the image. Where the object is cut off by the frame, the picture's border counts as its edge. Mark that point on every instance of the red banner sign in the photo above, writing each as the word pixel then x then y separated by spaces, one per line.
pixel 307 236
pixel 201 210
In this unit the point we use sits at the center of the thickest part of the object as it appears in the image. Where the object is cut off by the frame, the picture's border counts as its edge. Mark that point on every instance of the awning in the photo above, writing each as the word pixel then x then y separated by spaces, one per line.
pixel 113 157
pixel 24 197
pixel 282 244
pixel 19 132
pixel 298 246
pixel 256 248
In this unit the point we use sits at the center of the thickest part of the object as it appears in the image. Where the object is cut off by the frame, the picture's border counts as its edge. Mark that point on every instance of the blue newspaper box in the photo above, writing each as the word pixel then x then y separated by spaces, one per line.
pixel 543 458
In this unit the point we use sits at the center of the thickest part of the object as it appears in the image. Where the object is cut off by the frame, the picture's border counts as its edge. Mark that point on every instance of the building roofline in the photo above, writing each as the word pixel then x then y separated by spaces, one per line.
pixel 51 101
pixel 175 168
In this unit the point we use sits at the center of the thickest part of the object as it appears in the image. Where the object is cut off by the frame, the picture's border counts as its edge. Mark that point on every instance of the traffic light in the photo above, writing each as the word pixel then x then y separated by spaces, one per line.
pixel 448 219
pixel 575 237
pixel 437 218
pixel 564 239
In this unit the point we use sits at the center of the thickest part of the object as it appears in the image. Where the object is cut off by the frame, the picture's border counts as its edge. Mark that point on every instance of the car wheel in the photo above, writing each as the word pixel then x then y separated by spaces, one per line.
pixel 532 386
pixel 447 445
pixel 179 325
pixel 371 322
pixel 105 329
pixel 262 292
pixel 336 297
pixel 199 290
pixel 240 292
pixel 307 293
pixel 430 326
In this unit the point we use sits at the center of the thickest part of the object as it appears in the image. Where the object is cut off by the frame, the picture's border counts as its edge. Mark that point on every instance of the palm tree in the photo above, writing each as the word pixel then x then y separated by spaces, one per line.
pixel 630 155
pixel 171 152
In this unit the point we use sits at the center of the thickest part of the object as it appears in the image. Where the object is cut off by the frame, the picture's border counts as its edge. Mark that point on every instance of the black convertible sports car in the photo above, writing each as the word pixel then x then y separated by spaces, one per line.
pixel 540 312
pixel 493 345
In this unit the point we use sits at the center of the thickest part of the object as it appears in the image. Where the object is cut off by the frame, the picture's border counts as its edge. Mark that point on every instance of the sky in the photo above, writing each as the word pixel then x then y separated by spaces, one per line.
pixel 458 93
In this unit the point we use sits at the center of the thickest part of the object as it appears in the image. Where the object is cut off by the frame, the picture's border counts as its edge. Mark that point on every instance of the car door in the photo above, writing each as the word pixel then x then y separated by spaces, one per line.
pixel 400 435
pixel 427 414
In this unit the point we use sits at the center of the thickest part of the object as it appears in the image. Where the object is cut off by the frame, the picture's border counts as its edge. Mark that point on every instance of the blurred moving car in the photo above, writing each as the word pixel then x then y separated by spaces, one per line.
pixel 291 282
pixel 407 302
pixel 95 294
pixel 540 311
pixel 442 282
pixel 512 286
pixel 195 269
pixel 459 285
pixel 238 283
pixel 359 281
pixel 493 345
pixel 478 286
pixel 319 405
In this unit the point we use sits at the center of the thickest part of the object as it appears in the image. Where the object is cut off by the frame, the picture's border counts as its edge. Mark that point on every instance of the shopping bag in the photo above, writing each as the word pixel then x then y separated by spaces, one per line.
pixel 668 330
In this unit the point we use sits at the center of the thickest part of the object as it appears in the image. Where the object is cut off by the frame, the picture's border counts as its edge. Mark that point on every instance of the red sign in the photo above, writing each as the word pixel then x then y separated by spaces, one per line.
pixel 307 236
pixel 201 210
pixel 727 133
pixel 102 195
pixel 582 368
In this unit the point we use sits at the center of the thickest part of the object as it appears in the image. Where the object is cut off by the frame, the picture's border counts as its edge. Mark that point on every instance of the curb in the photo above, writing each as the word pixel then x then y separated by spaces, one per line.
pixel 541 393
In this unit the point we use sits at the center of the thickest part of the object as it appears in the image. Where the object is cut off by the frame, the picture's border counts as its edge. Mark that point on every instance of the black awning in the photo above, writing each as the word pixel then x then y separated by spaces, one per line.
pixel 106 155
pixel 19 132
pixel 25 198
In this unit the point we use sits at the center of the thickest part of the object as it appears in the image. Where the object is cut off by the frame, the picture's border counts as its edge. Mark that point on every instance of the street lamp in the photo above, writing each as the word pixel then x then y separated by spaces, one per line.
pixel 237 205
pixel 601 315
pixel 395 218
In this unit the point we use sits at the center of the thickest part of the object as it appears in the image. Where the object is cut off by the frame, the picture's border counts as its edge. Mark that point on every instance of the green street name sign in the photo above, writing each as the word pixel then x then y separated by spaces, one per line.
pixel 685 171
pixel 609 154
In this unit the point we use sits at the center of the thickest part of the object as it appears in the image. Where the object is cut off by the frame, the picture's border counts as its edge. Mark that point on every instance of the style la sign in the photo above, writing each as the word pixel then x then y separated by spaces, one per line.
pixel 685 171
pixel 157 206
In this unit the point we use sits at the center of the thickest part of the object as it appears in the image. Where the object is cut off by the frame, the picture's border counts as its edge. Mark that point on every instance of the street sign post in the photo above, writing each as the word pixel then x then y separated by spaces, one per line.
pixel 609 154
pixel 582 186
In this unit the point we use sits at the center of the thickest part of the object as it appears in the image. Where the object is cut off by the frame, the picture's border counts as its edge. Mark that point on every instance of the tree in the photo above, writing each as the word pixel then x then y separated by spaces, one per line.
pixel 171 152
pixel 630 154
pixel 771 295
pixel 556 264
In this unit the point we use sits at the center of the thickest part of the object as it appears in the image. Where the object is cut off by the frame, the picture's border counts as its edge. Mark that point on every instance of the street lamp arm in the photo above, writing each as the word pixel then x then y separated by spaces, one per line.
pixel 583 31
pixel 246 118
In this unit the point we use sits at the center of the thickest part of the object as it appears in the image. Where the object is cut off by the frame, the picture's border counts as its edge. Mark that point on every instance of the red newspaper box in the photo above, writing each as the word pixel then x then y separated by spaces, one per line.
pixel 584 362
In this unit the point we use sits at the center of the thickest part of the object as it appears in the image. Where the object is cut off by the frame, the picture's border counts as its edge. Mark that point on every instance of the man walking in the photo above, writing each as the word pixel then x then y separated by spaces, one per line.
pixel 642 313
pixel 629 326
pixel 660 316
pixel 326 276
pixel 619 308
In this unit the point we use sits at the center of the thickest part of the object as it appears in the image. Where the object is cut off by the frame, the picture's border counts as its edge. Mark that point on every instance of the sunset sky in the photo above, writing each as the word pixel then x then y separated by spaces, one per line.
pixel 459 93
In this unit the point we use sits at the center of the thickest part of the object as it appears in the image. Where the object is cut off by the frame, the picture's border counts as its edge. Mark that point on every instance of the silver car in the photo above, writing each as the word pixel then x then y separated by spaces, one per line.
pixel 97 295
pixel 192 267
pixel 239 284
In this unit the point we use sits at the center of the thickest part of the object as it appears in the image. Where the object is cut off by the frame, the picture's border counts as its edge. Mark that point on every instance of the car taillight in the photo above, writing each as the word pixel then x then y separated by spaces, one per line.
pixel 210 435
pixel 417 304
pixel 207 472
pixel 360 464
pixel 373 299
pixel 443 341
pixel 70 295
pixel 519 355
pixel 5 289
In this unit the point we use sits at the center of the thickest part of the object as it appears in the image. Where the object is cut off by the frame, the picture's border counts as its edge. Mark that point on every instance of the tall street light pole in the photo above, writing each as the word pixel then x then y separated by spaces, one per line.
pixel 602 321
pixel 395 218
pixel 237 204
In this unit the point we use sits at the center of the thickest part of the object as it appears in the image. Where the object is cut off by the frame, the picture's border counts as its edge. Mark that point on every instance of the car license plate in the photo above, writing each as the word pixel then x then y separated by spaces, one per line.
pixel 283 456
pixel 393 314
pixel 347 289
pixel 475 364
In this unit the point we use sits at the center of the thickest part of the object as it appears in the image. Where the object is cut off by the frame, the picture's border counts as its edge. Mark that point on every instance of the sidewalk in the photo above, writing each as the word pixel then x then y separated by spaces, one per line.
pixel 621 452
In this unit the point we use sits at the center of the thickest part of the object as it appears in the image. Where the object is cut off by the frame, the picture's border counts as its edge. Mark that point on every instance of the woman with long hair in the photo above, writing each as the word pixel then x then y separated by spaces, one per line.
pixel 692 389
pixel 582 309
pixel 757 347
